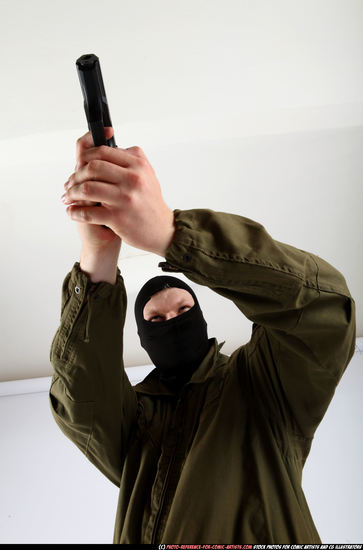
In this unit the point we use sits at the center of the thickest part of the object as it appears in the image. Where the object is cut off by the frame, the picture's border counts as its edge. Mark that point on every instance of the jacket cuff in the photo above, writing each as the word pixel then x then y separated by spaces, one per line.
pixel 179 255
pixel 76 291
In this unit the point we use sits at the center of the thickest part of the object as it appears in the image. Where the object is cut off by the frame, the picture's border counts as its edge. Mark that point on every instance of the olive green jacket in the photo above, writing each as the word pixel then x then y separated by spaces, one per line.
pixel 222 461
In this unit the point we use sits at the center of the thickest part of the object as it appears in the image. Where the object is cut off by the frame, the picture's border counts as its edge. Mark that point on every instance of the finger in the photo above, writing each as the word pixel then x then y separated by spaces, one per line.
pixel 119 156
pixel 94 191
pixel 99 170
pixel 78 203
pixel 86 142
pixel 98 215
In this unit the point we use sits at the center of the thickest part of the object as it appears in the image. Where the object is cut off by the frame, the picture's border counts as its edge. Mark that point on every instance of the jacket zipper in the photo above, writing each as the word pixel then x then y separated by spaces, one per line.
pixel 171 462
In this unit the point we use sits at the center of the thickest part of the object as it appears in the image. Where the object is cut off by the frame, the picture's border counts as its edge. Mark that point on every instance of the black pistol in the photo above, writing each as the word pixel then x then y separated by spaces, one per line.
pixel 95 100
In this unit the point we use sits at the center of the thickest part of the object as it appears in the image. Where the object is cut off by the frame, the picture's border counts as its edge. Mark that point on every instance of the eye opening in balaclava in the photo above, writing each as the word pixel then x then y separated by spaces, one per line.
pixel 167 300
pixel 177 346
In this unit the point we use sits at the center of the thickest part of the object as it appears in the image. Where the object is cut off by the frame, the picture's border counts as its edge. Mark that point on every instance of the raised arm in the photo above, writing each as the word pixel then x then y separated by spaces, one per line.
pixel 302 310
pixel 91 397
pixel 113 195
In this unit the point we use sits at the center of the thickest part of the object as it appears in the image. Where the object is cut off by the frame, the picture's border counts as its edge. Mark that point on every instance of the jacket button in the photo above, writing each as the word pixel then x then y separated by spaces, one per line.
pixel 77 290
pixel 187 258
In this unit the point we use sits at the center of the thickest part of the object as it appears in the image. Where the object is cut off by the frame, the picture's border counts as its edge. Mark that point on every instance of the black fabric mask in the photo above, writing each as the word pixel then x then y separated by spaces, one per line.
pixel 177 346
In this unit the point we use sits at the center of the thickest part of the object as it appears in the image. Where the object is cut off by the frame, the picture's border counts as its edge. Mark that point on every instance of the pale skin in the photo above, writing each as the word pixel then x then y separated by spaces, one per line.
pixel 167 304
pixel 132 207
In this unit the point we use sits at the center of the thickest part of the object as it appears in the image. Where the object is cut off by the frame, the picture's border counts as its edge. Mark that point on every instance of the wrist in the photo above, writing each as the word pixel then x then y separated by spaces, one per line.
pixel 100 262
pixel 167 235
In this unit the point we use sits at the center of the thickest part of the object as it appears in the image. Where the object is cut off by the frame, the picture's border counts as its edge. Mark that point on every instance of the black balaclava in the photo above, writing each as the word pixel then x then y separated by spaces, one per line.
pixel 177 346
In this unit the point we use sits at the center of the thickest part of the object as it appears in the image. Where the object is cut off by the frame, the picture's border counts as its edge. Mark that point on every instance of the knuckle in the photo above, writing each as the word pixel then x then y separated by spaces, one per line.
pixel 135 179
pixel 128 199
pixel 92 167
pixel 79 146
pixel 84 215
pixel 85 189
pixel 103 149
pixel 138 151
pixel 142 163
pixel 82 155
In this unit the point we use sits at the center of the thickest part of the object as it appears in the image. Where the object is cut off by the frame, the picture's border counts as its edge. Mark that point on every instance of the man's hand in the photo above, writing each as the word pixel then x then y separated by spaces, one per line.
pixel 125 184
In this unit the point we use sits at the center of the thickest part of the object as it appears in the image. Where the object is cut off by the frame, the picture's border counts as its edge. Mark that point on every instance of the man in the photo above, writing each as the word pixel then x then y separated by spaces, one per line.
pixel 208 448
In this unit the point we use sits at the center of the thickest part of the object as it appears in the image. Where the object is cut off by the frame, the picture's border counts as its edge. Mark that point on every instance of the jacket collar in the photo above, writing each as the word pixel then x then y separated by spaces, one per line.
pixel 152 385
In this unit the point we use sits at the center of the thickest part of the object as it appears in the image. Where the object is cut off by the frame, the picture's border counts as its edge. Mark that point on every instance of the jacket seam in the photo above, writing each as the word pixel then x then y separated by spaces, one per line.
pixel 240 259
pixel 308 283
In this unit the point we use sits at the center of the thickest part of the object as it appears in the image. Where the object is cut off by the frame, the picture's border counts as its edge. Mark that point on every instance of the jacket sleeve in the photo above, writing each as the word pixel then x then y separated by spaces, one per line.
pixel 91 397
pixel 303 314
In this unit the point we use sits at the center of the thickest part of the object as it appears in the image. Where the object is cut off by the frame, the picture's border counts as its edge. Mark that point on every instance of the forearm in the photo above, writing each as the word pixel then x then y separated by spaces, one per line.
pixel 100 263
pixel 237 258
